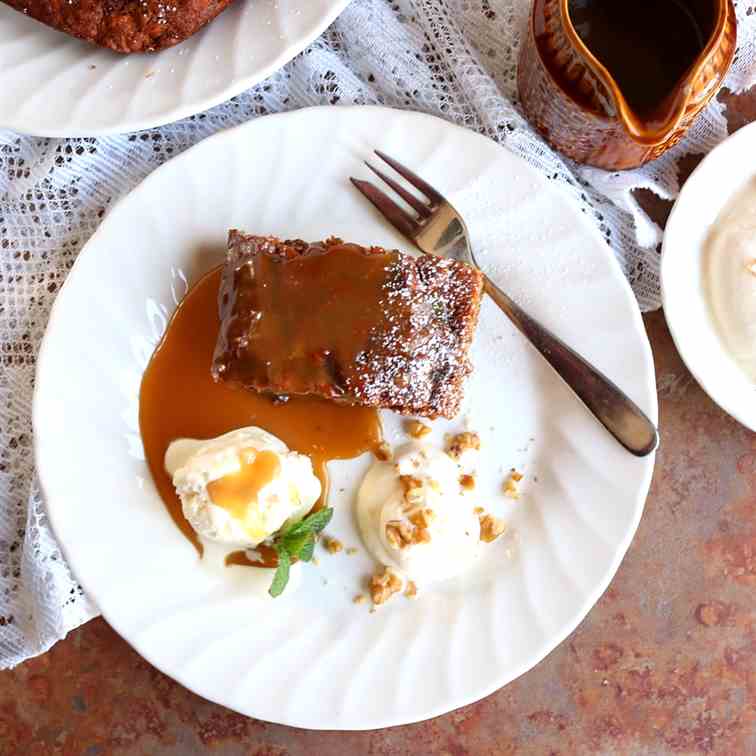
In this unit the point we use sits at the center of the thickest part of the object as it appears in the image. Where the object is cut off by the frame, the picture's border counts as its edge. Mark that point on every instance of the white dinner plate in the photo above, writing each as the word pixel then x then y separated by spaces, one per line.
pixel 313 658
pixel 715 181
pixel 54 85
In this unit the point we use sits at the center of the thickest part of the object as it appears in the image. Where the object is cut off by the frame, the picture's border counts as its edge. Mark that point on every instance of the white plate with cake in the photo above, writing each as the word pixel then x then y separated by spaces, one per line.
pixel 471 510
pixel 55 84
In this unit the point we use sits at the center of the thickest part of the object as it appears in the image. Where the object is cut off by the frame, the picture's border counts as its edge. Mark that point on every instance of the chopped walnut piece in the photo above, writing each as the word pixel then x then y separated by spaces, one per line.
pixel 406 532
pixel 401 534
pixel 332 545
pixel 411 590
pixel 467 482
pixel 359 599
pixel 383 452
pixel 478 510
pixel 393 536
pixel 383 587
pixel 410 482
pixel 422 518
pixel 751 267
pixel 461 443
pixel 490 527
pixel 422 535
pixel 510 485
pixel 413 490
pixel 414 497
pixel 416 429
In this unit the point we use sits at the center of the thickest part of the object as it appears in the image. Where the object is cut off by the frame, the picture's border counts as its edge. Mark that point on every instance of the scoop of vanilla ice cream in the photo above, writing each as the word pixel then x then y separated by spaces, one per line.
pixel 419 490
pixel 288 492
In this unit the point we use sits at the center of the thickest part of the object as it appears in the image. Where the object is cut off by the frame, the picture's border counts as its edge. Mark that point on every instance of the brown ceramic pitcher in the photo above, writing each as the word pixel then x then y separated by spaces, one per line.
pixel 576 101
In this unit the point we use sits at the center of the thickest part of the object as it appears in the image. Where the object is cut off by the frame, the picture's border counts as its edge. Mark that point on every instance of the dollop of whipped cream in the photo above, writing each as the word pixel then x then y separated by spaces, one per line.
pixel 242 487
pixel 415 517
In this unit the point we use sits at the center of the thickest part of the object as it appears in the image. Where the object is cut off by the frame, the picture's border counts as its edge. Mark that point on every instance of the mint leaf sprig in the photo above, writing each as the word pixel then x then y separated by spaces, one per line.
pixel 296 541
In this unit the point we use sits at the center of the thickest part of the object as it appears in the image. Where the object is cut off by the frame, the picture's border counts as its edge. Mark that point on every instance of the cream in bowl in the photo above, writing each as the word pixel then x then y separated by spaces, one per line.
pixel 729 277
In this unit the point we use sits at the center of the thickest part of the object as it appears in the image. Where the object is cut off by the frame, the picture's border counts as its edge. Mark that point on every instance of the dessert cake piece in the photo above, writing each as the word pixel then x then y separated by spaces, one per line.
pixel 357 325
pixel 123 25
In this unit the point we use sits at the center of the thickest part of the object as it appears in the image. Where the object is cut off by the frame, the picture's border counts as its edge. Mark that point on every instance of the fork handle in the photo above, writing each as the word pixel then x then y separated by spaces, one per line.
pixel 609 404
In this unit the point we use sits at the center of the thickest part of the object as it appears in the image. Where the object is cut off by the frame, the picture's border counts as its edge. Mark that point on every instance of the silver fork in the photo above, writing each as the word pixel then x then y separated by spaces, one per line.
pixel 438 229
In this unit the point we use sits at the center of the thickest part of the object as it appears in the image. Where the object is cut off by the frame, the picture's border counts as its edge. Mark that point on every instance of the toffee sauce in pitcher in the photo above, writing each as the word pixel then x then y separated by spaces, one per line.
pixel 646 45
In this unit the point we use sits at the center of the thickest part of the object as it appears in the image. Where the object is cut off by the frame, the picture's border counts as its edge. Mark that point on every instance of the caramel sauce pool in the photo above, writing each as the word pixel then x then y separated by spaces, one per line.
pixel 179 399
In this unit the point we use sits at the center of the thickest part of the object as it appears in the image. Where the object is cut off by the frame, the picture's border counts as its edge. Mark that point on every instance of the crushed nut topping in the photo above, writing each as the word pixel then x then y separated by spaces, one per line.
pixel 332 545
pixel 411 590
pixel 422 535
pixel 351 551
pixel 422 518
pixel 401 534
pixel 490 527
pixel 478 510
pixel 416 429
pixel 751 267
pixel 510 485
pixel 413 490
pixel 414 497
pixel 383 587
pixel 467 482
pixel 393 536
pixel 461 443
pixel 359 599
pixel 410 482
pixel 383 452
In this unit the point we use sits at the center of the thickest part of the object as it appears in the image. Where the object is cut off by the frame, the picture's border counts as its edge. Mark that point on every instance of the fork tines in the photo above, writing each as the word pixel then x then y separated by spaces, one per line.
pixel 434 197
pixel 400 219
pixel 396 215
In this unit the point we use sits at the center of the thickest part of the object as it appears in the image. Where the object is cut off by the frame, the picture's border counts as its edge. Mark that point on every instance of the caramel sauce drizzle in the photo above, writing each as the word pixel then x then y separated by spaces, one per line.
pixel 235 491
pixel 179 399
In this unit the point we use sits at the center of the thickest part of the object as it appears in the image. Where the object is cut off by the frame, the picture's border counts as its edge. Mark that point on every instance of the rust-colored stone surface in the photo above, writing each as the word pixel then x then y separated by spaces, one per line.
pixel 664 664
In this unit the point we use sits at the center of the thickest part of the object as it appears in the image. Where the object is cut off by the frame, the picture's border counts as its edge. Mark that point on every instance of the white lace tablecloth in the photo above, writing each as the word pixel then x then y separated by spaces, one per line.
pixel 454 58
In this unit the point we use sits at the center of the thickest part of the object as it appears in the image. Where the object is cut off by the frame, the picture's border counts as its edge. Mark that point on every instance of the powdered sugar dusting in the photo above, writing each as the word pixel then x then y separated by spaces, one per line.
pixel 419 357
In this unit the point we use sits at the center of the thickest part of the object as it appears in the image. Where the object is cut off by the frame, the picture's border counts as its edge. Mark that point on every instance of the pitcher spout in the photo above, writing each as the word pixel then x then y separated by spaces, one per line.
pixel 620 82
pixel 659 124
